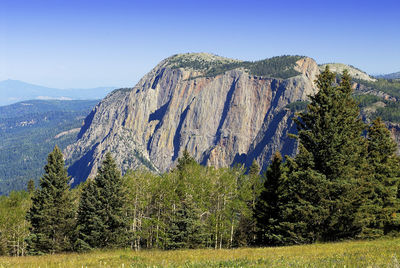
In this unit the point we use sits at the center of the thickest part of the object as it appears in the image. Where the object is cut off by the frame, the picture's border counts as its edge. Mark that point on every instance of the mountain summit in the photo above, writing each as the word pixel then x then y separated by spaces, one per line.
pixel 223 111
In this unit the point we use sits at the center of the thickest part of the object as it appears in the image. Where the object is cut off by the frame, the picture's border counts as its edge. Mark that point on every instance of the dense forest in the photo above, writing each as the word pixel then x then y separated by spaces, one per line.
pixel 342 184
pixel 389 86
pixel 29 130
pixel 372 107
pixel 277 67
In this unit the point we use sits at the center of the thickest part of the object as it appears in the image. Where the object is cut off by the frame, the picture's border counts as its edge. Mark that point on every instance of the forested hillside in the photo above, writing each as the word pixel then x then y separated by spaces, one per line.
pixel 29 130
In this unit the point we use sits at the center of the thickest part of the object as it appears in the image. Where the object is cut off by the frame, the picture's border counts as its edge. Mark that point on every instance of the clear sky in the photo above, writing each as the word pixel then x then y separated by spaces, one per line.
pixel 85 43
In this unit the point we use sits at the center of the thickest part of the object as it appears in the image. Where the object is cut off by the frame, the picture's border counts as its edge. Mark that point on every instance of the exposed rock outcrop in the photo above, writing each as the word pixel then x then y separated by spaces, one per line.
pixel 354 72
pixel 394 129
pixel 232 117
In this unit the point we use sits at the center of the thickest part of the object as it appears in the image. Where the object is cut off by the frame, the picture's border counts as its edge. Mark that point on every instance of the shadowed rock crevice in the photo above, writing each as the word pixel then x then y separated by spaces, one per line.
pixel 227 104
pixel 225 111
pixel 86 124
pixel 157 115
pixel 267 138
pixel 205 156
pixel 158 77
pixel 289 144
pixel 177 136
pixel 80 170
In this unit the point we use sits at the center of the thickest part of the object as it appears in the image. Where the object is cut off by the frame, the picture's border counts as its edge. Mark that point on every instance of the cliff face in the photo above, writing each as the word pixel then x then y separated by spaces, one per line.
pixel 232 117
pixel 394 129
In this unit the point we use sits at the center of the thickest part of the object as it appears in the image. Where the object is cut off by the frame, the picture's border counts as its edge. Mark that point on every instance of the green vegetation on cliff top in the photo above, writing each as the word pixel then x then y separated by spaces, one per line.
pixel 276 67
pixel 391 87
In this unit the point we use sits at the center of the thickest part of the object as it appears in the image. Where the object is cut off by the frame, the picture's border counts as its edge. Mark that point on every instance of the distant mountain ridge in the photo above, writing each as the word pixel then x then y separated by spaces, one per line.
pixel 389 76
pixel 12 91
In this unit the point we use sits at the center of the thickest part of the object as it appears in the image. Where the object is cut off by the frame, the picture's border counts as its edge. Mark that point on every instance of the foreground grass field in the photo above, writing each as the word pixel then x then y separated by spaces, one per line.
pixel 378 253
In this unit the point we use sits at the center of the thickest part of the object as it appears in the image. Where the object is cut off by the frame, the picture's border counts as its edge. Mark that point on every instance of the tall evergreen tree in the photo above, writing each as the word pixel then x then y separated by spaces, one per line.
pixel 89 224
pixel 331 130
pixel 52 213
pixel 266 208
pixel 379 212
pixel 331 127
pixel 185 160
pixel 101 219
pixel 322 191
pixel 31 186
pixel 301 203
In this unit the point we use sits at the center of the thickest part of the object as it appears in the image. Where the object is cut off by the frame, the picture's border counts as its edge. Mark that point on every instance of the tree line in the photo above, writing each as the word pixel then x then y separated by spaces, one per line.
pixel 277 67
pixel 342 184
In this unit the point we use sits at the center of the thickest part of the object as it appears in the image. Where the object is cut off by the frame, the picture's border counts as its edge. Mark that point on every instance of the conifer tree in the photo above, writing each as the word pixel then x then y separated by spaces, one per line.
pixel 185 160
pixel 379 212
pixel 332 132
pixel 52 213
pixel 31 186
pixel 301 202
pixel 266 208
pixel 331 127
pixel 185 229
pixel 101 220
pixel 322 194
pixel 89 224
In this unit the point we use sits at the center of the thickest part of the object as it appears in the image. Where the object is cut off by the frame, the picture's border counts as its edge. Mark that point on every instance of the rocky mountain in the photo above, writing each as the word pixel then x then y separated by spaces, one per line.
pixel 12 91
pixel 353 71
pixel 222 111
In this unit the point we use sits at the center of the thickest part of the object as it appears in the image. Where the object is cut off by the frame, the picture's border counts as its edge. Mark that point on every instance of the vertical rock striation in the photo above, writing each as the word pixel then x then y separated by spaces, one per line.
pixel 232 116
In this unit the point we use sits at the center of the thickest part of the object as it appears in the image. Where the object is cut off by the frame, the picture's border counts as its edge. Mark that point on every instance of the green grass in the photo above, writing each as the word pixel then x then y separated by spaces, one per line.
pixel 377 253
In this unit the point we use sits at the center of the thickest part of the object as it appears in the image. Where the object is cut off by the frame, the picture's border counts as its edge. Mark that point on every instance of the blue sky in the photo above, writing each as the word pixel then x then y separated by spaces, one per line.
pixel 84 43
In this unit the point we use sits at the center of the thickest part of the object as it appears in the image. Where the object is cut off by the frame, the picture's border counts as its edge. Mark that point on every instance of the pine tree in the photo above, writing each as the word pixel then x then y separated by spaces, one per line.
pixel 52 213
pixel 101 219
pixel 301 202
pixel 331 127
pixel 266 208
pixel 89 224
pixel 185 229
pixel 322 194
pixel 379 212
pixel 332 133
pixel 185 160
pixel 31 186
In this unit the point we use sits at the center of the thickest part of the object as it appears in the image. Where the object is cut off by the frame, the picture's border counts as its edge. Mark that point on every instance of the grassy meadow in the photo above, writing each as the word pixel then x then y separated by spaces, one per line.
pixel 377 253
